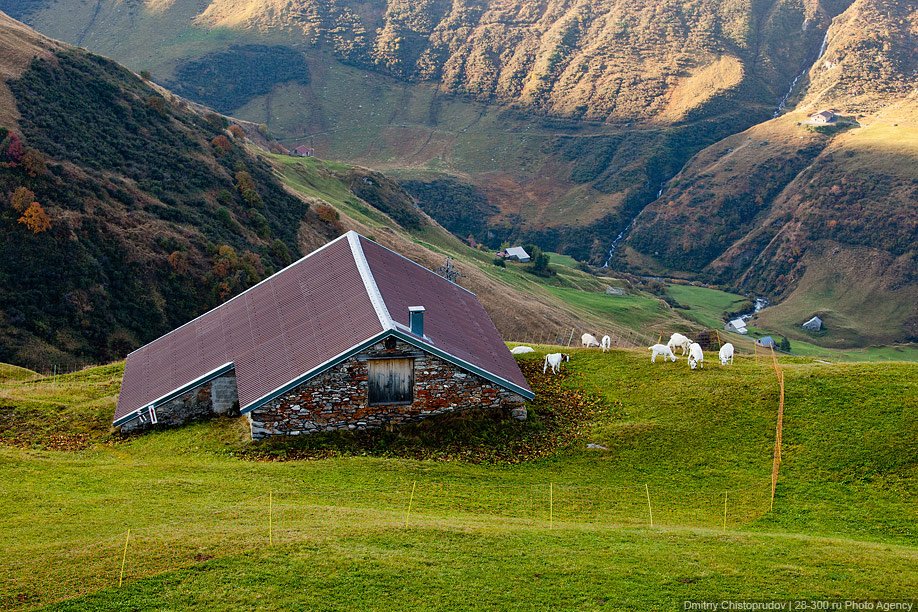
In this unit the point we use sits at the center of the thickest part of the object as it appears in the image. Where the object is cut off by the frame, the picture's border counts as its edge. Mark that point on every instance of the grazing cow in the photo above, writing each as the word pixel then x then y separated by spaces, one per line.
pixel 589 340
pixel 606 343
pixel 521 350
pixel 726 354
pixel 554 360
pixel 661 349
pixel 680 341
pixel 696 356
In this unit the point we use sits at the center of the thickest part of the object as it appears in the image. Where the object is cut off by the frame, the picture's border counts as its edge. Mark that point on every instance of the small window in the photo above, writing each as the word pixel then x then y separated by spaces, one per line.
pixel 391 381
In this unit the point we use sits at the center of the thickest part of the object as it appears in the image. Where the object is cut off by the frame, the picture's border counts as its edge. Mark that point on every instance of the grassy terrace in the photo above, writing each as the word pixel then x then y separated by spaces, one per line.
pixel 211 528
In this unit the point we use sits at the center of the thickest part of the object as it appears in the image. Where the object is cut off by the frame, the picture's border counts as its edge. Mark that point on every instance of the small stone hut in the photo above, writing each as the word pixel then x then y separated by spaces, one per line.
pixel 518 253
pixel 813 325
pixel 352 336
pixel 767 342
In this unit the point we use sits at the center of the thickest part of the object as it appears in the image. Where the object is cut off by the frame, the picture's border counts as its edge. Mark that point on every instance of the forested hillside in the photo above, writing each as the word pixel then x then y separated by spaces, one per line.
pixel 122 211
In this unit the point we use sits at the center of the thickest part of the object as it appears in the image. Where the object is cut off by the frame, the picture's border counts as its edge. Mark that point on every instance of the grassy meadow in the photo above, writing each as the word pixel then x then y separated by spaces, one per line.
pixel 217 524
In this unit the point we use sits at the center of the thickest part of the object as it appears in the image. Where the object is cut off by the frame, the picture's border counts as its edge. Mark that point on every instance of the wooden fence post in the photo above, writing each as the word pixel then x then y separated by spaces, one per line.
pixel 551 505
pixel 414 484
pixel 124 557
pixel 649 507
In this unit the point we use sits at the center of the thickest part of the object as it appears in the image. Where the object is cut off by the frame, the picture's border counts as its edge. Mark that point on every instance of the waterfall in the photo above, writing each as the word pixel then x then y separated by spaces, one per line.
pixel 615 242
pixel 783 103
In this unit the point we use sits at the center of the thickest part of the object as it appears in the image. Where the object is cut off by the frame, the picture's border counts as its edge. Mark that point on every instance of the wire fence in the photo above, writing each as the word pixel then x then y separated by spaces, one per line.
pixel 310 517
pixel 571 337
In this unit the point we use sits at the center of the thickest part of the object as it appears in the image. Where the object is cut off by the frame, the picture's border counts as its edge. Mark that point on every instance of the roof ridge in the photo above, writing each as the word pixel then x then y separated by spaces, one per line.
pixel 411 261
pixel 369 282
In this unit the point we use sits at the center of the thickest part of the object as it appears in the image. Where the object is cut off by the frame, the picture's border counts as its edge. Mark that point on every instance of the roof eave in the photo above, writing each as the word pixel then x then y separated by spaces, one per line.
pixel 407 337
pixel 494 378
pixel 197 382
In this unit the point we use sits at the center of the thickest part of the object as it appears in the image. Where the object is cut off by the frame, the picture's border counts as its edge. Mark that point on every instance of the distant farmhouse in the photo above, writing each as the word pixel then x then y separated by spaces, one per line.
pixel 767 342
pixel 304 151
pixel 737 325
pixel 823 117
pixel 813 325
pixel 352 336
pixel 518 253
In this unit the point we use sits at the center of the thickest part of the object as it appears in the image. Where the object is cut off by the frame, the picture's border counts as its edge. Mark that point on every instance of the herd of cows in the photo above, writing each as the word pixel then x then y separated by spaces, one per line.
pixel 677 340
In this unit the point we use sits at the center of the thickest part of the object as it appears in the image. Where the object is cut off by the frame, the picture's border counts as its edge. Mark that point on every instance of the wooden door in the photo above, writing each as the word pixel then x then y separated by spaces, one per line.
pixel 391 381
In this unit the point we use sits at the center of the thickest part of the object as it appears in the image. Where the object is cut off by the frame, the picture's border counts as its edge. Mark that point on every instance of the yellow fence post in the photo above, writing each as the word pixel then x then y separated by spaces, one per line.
pixel 551 505
pixel 270 517
pixel 124 557
pixel 414 484
pixel 649 507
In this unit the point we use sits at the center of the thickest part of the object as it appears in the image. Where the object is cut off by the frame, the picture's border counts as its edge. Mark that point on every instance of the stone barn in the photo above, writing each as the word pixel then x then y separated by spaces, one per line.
pixel 352 336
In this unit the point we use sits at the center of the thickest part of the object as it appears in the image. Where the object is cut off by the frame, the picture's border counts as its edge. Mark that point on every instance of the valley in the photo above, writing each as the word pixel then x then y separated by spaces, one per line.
pixel 569 127
pixel 147 175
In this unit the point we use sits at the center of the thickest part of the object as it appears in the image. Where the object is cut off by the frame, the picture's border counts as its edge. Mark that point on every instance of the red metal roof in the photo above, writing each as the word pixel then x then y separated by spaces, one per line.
pixel 307 315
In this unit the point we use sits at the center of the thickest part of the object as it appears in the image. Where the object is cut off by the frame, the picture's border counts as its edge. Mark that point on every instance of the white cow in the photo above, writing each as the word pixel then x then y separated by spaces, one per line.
pixel 726 354
pixel 696 356
pixel 680 341
pixel 521 350
pixel 589 340
pixel 554 360
pixel 606 343
pixel 661 349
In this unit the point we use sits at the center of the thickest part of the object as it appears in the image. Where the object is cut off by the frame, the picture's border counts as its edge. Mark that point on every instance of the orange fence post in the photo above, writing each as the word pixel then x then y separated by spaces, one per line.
pixel 776 463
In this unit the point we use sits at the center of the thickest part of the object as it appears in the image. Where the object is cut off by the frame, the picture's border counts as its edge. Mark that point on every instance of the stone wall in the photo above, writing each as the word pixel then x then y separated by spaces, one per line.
pixel 337 398
pixel 217 397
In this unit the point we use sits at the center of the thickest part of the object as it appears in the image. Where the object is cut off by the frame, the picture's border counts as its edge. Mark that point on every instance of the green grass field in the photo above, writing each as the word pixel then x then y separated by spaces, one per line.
pixel 705 305
pixel 211 529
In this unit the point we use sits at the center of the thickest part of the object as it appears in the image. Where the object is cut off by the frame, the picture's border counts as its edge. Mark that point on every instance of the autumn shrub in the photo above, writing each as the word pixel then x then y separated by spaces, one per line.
pixel 329 216
pixel 246 186
pixel 34 162
pixel 35 218
pixel 221 143
pixel 21 199
pixel 179 262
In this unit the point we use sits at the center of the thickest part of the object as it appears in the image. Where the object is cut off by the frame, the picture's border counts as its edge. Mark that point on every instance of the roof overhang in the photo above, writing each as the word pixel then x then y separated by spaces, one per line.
pixel 404 336
pixel 197 382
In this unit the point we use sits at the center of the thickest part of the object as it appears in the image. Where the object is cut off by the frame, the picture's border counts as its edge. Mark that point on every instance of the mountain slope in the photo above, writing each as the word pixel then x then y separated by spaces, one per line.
pixel 153 210
pixel 565 116
pixel 824 218
pixel 122 211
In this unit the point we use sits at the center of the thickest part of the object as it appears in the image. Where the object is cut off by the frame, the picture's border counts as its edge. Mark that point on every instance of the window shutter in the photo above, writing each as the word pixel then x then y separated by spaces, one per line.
pixel 391 381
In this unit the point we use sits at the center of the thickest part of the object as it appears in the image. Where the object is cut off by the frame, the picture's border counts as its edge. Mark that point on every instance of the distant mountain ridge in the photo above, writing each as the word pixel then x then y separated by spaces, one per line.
pixel 822 217
pixel 607 60
pixel 569 123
